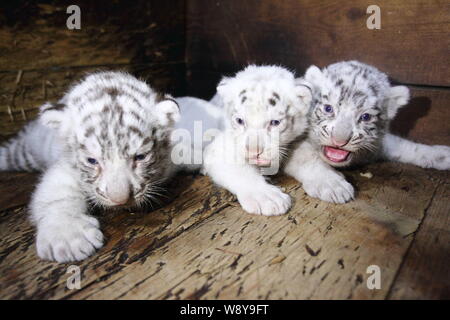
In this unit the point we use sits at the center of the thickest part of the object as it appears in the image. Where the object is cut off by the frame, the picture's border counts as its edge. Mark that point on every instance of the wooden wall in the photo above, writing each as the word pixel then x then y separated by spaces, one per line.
pixel 412 46
pixel 185 46
pixel 40 57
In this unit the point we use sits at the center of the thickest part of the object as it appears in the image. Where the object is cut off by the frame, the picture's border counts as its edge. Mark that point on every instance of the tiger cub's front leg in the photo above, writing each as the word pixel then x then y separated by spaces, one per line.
pixel 318 178
pixel 255 195
pixel 58 209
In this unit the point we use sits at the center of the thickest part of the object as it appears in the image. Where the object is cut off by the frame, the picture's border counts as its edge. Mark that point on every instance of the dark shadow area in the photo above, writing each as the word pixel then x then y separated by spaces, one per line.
pixel 407 117
pixel 212 56
pixel 16 189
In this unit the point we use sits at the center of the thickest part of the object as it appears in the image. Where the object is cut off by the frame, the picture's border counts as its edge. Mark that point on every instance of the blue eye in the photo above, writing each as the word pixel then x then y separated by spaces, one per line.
pixel 92 161
pixel 366 117
pixel 139 157
pixel 328 108
pixel 274 123
pixel 239 121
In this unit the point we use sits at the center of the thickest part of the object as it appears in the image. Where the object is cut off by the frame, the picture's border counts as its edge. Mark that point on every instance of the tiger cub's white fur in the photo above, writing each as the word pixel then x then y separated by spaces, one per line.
pixel 106 143
pixel 352 106
pixel 265 109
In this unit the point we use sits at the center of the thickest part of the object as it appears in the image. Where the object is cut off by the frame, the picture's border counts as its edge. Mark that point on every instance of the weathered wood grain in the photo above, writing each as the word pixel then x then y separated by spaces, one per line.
pixel 34 35
pixel 412 44
pixel 131 239
pixel 40 57
pixel 425 272
pixel 201 245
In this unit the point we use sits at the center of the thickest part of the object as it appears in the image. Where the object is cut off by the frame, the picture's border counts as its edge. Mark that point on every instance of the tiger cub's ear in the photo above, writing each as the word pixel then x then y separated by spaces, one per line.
pixel 167 111
pixel 223 86
pixel 314 75
pixel 52 114
pixel 303 90
pixel 397 97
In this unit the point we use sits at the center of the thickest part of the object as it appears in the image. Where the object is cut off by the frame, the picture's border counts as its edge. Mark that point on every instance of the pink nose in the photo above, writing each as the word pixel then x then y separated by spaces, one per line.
pixel 253 148
pixel 339 143
pixel 254 153
pixel 118 197
pixel 118 201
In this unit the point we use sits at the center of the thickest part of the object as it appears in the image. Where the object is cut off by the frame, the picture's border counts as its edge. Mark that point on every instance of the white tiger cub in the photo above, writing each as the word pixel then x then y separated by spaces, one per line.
pixel 352 106
pixel 105 143
pixel 265 109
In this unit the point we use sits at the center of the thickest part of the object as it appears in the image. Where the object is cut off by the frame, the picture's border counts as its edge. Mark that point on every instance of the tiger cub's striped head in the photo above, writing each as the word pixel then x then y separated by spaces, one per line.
pixel 266 108
pixel 116 132
pixel 353 103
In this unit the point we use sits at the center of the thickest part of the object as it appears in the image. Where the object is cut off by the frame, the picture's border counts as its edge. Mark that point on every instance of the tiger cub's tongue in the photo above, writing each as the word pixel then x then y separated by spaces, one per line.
pixel 336 155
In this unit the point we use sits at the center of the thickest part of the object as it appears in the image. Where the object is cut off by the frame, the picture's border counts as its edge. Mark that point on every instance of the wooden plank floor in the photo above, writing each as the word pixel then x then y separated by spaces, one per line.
pixel 201 245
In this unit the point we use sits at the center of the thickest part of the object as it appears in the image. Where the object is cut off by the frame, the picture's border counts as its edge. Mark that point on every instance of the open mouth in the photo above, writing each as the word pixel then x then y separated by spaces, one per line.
pixel 335 154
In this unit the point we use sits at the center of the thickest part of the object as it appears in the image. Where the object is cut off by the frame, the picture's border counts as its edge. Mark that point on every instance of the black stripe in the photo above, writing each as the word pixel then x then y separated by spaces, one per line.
pixel 136 131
